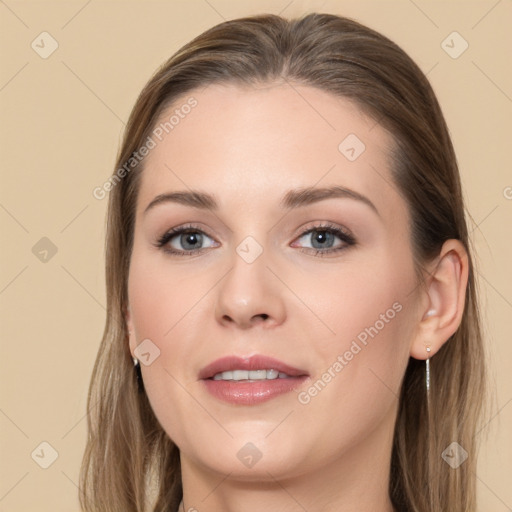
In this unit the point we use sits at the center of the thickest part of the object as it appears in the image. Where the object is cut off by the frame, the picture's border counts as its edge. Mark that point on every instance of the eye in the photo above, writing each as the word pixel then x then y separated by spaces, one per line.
pixel 189 239
pixel 323 239
pixel 184 240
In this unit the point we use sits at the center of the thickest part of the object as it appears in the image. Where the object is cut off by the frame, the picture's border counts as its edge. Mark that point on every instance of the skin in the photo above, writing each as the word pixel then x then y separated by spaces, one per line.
pixel 248 146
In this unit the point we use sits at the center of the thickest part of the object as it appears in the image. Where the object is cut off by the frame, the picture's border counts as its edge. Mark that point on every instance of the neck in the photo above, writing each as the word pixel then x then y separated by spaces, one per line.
pixel 357 481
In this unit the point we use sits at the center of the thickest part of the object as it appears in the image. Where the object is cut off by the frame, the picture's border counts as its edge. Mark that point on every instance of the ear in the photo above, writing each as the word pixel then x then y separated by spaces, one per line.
pixel 444 298
pixel 131 332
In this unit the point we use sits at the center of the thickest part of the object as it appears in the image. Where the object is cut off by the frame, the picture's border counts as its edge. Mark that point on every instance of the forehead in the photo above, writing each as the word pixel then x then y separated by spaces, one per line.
pixel 246 142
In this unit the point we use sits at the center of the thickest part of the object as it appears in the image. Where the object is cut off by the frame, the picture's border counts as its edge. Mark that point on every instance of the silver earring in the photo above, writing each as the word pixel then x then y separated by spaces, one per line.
pixel 138 372
pixel 427 370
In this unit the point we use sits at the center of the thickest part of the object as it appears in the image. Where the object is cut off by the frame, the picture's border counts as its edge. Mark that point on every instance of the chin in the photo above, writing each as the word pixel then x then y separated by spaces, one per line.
pixel 250 460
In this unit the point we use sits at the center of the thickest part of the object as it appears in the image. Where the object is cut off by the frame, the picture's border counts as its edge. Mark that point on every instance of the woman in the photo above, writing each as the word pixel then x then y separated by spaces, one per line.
pixel 288 268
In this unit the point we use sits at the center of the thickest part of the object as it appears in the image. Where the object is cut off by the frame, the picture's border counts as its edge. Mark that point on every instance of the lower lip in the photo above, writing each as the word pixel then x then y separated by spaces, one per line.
pixel 251 393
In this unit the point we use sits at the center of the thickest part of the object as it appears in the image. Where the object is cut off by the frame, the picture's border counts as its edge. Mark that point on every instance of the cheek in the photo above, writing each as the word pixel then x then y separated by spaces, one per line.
pixel 371 311
pixel 160 296
pixel 168 307
pixel 366 302
pixel 162 306
pixel 357 387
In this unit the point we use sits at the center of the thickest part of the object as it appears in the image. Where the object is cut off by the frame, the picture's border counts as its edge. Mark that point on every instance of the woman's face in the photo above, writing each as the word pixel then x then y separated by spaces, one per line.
pixel 277 264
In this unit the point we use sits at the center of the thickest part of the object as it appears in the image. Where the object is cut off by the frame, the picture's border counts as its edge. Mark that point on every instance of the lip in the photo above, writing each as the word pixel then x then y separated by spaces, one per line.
pixel 255 362
pixel 245 392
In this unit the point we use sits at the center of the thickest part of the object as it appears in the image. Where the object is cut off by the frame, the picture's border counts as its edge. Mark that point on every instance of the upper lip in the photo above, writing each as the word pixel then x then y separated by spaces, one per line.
pixel 254 362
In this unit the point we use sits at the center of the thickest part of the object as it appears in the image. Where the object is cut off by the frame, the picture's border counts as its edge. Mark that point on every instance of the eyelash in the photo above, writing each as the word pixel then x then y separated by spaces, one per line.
pixel 347 238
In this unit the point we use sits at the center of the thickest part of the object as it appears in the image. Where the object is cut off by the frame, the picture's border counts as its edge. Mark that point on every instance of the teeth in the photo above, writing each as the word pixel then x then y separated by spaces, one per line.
pixel 257 374
pixel 251 375
pixel 223 376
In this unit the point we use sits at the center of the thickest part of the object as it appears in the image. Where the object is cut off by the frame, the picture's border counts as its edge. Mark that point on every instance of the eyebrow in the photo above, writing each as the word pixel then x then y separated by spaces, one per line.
pixel 292 199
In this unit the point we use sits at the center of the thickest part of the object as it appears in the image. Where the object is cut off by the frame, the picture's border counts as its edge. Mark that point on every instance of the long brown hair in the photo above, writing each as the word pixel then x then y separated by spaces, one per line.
pixel 130 464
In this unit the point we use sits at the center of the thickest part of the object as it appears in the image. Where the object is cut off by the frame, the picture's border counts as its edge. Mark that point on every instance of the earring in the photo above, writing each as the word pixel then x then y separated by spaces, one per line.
pixel 427 370
pixel 140 383
pixel 136 365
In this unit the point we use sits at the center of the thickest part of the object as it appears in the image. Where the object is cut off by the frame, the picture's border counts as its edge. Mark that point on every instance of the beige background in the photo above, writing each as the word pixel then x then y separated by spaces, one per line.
pixel 62 118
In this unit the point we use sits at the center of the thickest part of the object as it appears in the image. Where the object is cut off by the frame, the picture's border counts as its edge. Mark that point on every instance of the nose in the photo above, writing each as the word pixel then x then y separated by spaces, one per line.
pixel 250 294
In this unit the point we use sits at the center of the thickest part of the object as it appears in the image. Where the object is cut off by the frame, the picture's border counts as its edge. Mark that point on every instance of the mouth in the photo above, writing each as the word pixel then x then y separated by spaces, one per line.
pixel 250 380
pixel 251 375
